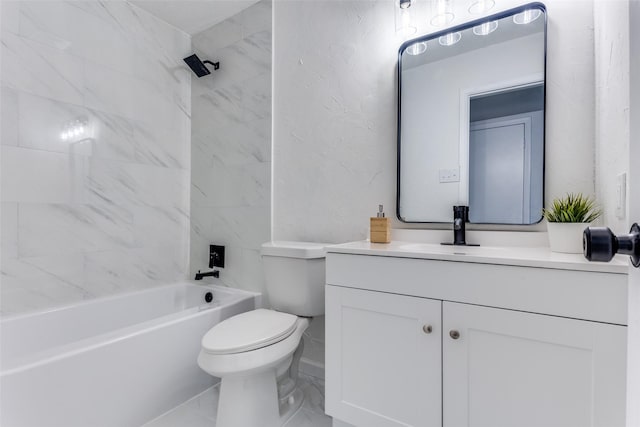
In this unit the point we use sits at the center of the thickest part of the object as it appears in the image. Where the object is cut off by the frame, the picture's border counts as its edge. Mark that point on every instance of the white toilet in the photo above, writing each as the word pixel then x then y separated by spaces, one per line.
pixel 256 353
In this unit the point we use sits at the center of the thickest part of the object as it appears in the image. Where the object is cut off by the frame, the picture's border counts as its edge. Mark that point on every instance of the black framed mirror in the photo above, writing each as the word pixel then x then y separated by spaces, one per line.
pixel 471 102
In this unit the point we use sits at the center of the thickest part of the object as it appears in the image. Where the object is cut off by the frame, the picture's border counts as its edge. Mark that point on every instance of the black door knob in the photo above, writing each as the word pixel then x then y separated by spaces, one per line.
pixel 600 244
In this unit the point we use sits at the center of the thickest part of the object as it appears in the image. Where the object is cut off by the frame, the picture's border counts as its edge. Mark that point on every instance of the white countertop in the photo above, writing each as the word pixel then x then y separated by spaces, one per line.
pixel 540 257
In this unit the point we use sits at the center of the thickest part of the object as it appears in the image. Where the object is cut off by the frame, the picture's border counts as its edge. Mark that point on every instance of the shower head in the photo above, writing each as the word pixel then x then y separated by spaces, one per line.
pixel 198 67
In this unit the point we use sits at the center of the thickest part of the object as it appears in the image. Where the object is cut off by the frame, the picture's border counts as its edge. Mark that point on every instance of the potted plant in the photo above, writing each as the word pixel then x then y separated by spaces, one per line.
pixel 566 220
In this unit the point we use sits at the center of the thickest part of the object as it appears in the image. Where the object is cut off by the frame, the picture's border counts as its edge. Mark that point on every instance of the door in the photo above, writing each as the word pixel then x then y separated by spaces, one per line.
pixel 499 167
pixel 633 370
pixel 384 355
pixel 506 368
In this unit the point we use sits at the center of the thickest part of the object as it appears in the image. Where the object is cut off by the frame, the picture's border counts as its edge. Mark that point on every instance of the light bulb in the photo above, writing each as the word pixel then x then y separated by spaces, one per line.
pixel 442 11
pixel 450 39
pixel 486 28
pixel 527 16
pixel 481 6
pixel 405 23
pixel 417 48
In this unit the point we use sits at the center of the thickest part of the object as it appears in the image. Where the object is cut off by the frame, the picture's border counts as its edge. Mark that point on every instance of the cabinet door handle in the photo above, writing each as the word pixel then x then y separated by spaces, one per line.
pixel 427 329
pixel 454 334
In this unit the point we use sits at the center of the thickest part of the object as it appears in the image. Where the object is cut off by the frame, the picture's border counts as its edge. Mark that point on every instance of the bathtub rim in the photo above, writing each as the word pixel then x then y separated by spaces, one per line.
pixel 119 334
pixel 18 316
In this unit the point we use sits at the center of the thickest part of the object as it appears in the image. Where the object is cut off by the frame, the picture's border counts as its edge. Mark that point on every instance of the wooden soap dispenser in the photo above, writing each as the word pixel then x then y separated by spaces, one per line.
pixel 380 230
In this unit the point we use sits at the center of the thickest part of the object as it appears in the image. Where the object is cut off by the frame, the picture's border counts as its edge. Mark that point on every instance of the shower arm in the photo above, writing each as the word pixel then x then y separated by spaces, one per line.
pixel 216 65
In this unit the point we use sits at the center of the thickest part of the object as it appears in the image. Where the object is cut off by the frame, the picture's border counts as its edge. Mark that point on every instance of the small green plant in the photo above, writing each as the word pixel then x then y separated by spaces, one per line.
pixel 572 208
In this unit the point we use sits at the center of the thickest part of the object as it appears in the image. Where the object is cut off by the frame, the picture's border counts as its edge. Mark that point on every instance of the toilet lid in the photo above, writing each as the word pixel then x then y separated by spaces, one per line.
pixel 249 331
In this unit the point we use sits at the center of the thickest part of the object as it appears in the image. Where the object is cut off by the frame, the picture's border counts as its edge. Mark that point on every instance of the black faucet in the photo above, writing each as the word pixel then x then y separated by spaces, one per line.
pixel 214 273
pixel 460 218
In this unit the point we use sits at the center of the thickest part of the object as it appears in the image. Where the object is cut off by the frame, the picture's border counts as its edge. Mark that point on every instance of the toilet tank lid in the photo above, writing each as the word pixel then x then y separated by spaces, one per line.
pixel 304 250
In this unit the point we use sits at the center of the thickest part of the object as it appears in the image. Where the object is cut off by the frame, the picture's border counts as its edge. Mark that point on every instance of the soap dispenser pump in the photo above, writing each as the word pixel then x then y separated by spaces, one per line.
pixel 380 229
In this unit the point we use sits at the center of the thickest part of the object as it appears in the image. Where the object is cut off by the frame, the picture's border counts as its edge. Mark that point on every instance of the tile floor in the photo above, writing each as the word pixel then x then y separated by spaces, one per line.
pixel 200 411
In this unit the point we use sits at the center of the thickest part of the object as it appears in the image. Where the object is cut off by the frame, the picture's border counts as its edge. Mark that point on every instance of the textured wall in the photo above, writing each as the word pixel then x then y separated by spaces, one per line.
pixel 335 105
pixel 334 118
pixel 231 146
pixel 612 106
pixel 106 211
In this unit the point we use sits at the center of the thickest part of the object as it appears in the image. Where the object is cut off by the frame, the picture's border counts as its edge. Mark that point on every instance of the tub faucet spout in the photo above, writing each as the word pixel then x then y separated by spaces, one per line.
pixel 214 273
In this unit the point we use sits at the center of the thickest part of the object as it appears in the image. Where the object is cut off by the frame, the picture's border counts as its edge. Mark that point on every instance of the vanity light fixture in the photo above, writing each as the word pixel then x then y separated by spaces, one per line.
pixel 527 16
pixel 405 4
pixel 486 28
pixel 481 6
pixel 450 39
pixel 416 48
pixel 442 12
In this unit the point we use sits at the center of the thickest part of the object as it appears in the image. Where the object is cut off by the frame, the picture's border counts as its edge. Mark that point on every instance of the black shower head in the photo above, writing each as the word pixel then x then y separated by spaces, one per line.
pixel 198 67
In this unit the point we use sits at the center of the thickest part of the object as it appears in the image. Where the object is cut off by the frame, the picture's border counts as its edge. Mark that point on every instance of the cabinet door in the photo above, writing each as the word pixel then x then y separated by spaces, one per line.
pixel 383 366
pixel 510 368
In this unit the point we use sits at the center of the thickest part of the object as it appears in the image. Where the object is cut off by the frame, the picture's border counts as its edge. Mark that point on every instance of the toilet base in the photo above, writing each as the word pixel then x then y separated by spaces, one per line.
pixel 259 404
pixel 289 407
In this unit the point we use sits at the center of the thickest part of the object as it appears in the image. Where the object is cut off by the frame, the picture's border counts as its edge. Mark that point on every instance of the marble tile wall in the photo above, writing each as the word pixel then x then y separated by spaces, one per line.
pixel 231 146
pixel 107 210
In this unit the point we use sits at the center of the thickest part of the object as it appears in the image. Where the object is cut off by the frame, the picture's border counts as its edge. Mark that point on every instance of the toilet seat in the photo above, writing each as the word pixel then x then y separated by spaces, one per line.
pixel 249 331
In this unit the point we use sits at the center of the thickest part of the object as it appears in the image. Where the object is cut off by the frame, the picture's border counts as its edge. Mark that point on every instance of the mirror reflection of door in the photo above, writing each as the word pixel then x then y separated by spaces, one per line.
pixel 506 149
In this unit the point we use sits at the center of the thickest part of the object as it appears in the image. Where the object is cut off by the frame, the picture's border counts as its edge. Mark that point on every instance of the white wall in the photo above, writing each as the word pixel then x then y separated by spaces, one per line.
pixel 612 106
pixel 334 118
pixel 231 146
pixel 110 213
pixel 335 113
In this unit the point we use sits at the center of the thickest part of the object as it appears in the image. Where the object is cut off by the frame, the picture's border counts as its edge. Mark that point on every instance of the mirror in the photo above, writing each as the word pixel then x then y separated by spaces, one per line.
pixel 471 120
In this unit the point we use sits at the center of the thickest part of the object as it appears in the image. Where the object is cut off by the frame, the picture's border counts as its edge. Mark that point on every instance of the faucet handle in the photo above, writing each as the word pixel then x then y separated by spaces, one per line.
pixel 461 212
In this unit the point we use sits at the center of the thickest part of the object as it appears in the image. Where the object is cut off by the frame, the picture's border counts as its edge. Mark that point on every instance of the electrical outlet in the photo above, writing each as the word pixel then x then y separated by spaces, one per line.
pixel 449 175
pixel 621 196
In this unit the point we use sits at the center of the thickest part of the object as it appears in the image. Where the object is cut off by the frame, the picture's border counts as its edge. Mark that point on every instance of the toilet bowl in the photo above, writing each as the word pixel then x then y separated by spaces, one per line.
pixel 256 354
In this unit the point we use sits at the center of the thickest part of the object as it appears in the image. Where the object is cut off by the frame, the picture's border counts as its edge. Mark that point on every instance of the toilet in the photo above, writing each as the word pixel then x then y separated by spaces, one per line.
pixel 256 354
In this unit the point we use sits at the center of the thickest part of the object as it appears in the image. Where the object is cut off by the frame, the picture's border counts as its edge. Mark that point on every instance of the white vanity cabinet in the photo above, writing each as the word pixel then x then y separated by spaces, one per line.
pixel 424 342
pixel 385 353
pixel 509 368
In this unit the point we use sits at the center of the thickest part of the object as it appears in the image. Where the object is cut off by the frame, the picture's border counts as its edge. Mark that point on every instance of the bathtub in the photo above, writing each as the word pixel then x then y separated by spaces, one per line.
pixel 115 362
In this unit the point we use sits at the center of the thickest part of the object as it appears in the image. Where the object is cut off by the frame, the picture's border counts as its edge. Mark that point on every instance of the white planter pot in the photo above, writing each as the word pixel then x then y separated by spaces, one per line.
pixel 566 237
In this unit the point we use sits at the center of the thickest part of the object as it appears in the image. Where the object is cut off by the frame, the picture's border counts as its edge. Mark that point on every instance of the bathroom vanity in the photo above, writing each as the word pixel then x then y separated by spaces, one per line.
pixel 428 335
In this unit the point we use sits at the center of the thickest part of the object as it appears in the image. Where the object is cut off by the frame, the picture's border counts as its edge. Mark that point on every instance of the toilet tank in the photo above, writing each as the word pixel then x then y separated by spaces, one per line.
pixel 294 275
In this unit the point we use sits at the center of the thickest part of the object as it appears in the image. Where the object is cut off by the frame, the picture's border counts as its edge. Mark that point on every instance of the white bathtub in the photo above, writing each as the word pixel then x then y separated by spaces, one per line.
pixel 115 362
